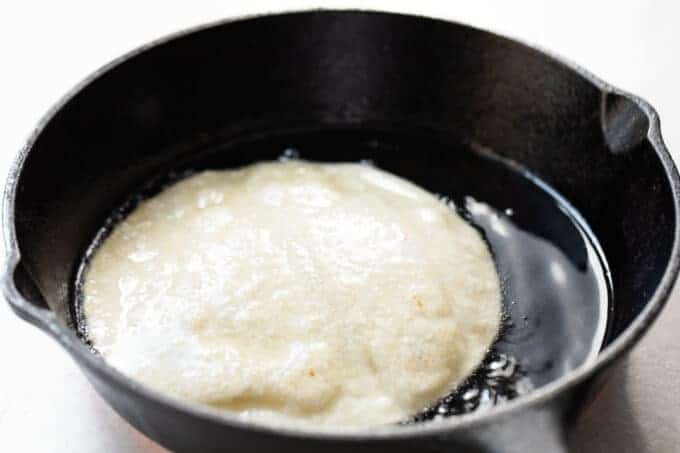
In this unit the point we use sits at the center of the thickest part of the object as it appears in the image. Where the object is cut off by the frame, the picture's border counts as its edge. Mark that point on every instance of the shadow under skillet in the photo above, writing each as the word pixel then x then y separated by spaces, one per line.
pixel 610 424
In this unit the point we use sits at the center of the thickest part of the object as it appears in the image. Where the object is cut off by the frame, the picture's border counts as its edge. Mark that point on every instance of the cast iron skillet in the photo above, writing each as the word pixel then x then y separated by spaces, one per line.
pixel 355 75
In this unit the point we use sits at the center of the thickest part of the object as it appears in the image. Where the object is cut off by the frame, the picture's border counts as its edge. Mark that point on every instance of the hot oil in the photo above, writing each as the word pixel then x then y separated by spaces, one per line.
pixel 498 379
pixel 556 296
pixel 554 277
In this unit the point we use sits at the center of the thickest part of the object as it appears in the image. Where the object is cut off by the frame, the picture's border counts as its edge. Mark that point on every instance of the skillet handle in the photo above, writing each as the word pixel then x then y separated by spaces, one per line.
pixel 23 296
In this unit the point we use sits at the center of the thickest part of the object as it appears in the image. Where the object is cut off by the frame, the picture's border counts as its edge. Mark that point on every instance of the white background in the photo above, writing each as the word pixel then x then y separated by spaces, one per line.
pixel 47 47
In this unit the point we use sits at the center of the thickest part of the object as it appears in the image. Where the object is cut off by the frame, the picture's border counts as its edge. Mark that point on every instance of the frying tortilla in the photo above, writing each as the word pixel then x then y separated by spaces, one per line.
pixel 321 295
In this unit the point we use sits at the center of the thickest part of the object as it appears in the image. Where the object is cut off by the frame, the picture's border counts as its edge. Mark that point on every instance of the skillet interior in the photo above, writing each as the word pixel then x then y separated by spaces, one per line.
pixel 550 326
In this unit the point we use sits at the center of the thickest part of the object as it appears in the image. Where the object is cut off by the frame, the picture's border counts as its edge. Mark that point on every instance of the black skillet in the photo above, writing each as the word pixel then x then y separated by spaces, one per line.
pixel 421 97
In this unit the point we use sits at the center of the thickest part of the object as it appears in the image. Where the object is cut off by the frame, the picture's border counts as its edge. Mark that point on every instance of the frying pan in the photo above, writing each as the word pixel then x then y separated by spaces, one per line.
pixel 415 94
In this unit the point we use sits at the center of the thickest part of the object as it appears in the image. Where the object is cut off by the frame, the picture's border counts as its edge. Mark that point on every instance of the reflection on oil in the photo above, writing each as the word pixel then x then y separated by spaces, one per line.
pixel 555 306
pixel 562 303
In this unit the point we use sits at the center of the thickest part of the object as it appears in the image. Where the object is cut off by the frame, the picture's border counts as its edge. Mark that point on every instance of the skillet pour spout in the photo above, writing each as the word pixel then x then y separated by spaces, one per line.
pixel 355 85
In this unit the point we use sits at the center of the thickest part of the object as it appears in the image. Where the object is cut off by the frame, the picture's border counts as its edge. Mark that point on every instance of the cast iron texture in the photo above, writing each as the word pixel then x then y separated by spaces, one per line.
pixel 196 91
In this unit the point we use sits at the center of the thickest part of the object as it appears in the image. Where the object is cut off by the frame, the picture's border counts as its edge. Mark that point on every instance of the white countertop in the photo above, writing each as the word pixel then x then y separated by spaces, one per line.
pixel 46 405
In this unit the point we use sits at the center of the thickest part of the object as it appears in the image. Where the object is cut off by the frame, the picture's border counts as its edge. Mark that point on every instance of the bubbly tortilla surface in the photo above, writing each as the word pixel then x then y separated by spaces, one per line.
pixel 320 295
